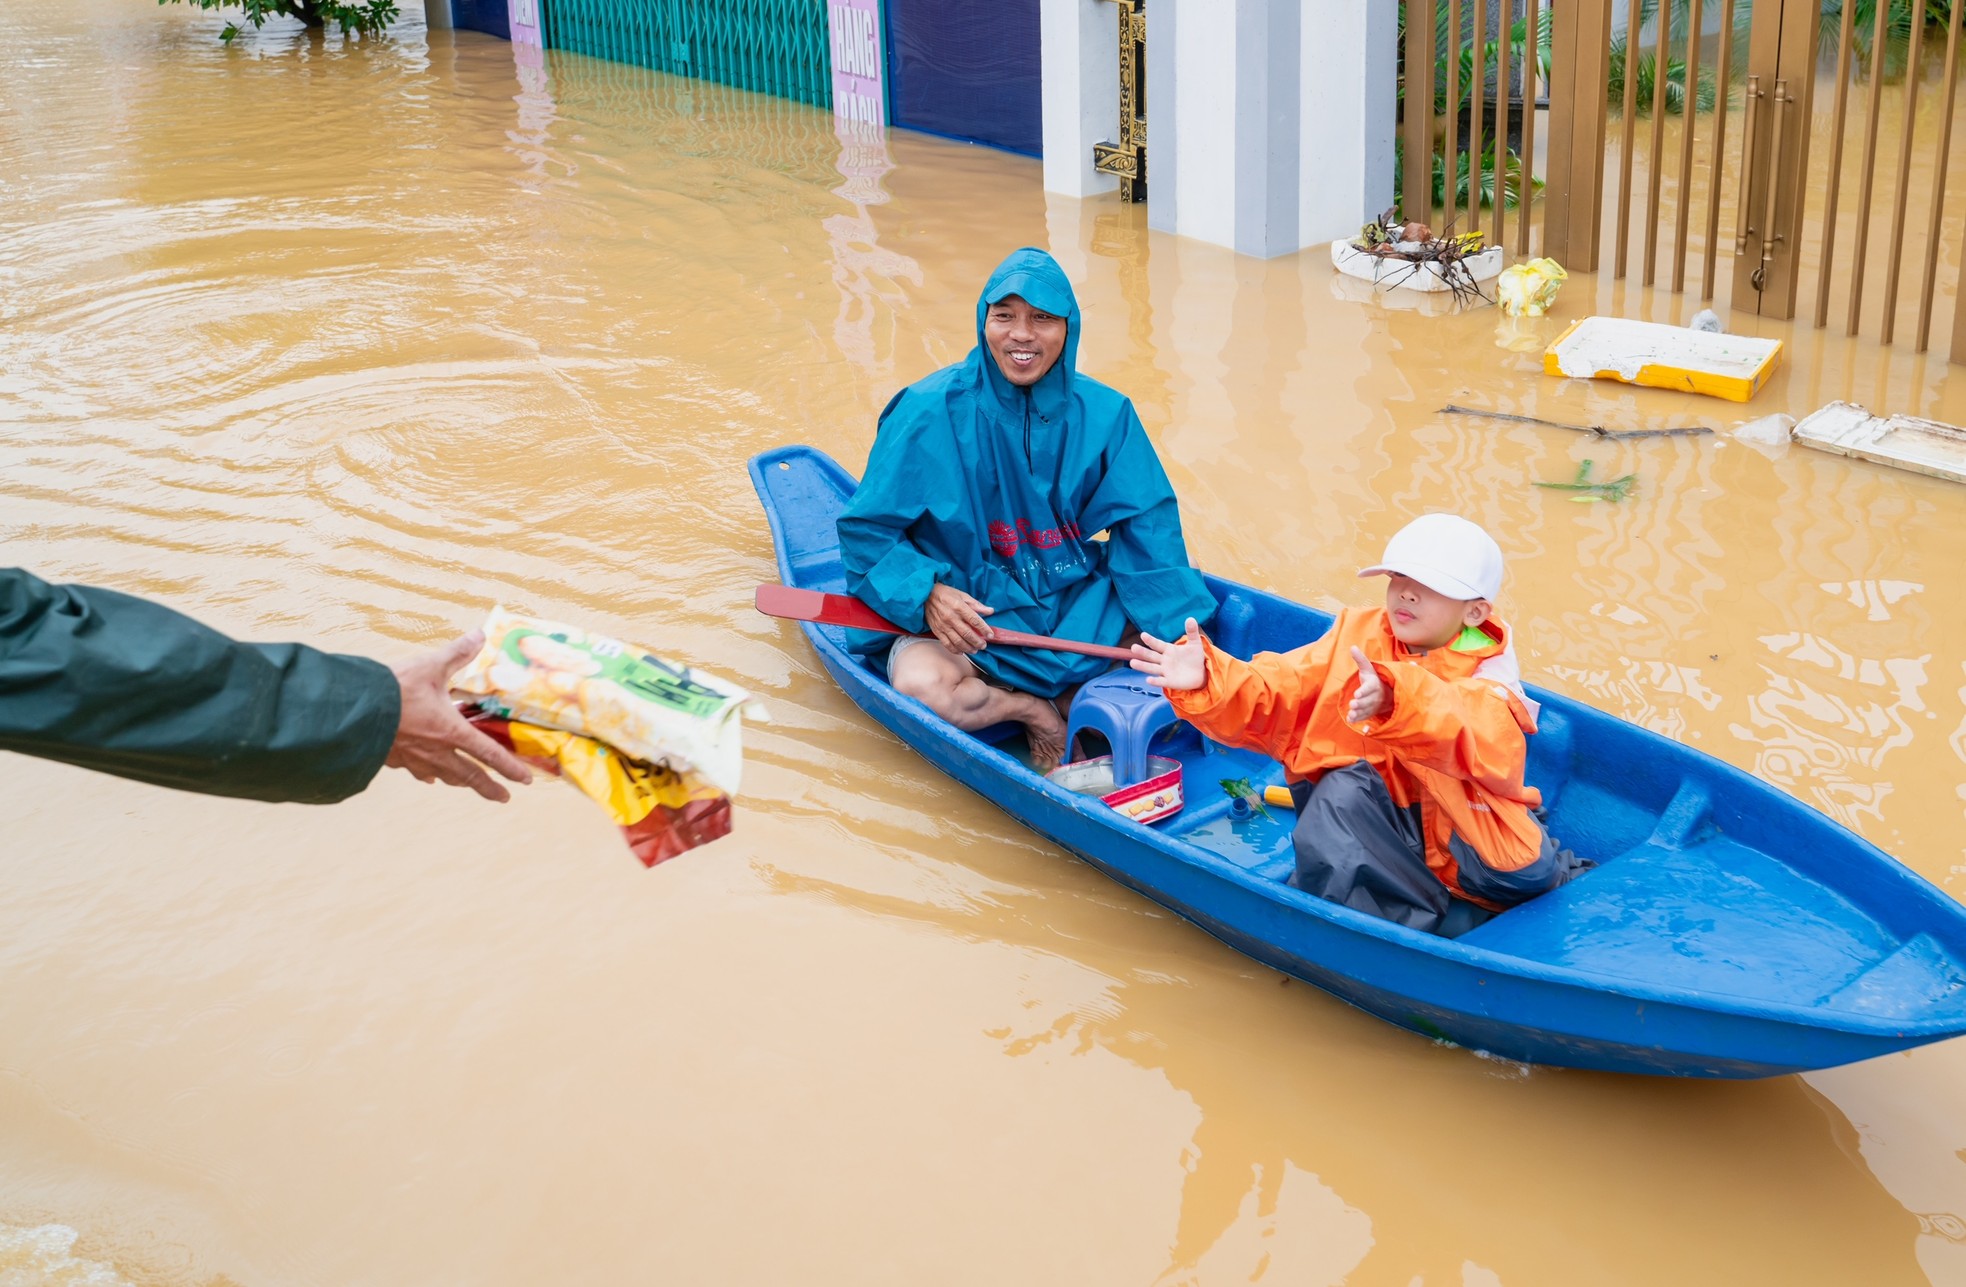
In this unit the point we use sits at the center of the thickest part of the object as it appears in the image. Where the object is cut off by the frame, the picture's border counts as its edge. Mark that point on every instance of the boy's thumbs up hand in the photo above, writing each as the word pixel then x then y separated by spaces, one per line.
pixel 1371 699
pixel 1181 665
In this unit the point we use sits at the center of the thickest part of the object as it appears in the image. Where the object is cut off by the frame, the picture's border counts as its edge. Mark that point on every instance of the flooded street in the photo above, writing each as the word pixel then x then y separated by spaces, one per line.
pixel 347 343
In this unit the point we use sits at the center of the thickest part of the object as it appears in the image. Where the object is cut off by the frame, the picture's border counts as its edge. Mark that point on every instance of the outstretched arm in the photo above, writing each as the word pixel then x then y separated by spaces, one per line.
pixel 122 685
pixel 1262 704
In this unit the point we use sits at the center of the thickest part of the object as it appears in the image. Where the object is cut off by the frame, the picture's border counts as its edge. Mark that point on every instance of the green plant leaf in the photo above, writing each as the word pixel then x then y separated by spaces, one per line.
pixel 1617 489
pixel 1240 789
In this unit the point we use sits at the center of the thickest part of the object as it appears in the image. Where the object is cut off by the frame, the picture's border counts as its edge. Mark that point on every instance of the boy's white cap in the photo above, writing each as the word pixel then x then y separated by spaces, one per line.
pixel 1447 554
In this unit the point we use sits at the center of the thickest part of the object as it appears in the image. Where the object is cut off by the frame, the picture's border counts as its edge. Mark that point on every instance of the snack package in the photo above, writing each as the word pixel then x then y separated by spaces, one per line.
pixel 661 813
pixel 644 707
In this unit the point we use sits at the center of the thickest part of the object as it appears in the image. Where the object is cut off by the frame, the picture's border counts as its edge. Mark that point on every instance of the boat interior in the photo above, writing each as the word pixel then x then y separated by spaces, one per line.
pixel 1749 893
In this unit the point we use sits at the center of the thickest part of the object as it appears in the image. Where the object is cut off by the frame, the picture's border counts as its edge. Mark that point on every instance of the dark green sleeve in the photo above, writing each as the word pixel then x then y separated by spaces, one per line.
pixel 119 684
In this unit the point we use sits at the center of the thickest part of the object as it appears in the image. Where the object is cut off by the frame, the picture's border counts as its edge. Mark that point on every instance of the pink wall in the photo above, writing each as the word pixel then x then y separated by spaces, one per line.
pixel 524 18
pixel 859 61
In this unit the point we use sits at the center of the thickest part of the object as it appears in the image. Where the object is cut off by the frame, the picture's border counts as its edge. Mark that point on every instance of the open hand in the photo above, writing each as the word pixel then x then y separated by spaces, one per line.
pixel 433 741
pixel 1371 699
pixel 1181 665
pixel 957 620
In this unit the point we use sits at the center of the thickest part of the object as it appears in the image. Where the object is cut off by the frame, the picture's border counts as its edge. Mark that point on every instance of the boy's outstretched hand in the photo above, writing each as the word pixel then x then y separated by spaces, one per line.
pixel 1370 701
pixel 1180 665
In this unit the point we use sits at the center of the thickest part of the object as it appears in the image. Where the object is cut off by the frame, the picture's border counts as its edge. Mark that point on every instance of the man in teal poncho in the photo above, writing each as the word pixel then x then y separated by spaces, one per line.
pixel 988 484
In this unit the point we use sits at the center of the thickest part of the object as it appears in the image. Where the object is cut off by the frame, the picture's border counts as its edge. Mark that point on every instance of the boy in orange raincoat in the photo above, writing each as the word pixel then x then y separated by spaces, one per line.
pixel 1405 729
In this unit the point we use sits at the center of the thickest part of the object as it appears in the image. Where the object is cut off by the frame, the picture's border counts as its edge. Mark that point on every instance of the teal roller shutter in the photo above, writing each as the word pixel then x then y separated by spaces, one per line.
pixel 771 46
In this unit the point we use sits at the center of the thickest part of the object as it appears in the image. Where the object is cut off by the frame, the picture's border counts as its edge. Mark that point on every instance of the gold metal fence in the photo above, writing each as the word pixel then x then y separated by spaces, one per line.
pixel 1725 136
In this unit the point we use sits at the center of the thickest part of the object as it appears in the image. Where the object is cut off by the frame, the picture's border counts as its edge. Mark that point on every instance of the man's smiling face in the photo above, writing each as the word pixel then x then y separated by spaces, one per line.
pixel 1025 341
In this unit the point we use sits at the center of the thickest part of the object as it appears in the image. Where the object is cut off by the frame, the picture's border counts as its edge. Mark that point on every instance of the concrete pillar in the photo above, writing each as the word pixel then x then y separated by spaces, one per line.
pixel 1270 122
pixel 437 14
pixel 1081 76
pixel 1350 104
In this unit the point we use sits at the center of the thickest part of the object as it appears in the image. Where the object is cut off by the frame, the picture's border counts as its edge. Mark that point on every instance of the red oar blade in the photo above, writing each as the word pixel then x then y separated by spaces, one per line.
pixel 823 609
pixel 845 610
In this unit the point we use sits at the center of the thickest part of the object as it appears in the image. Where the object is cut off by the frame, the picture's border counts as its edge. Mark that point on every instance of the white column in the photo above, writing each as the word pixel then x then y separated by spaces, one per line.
pixel 1350 98
pixel 1269 122
pixel 1080 71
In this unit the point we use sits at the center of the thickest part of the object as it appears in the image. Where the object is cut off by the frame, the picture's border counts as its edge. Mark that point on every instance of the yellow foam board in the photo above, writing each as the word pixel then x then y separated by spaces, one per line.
pixel 1664 357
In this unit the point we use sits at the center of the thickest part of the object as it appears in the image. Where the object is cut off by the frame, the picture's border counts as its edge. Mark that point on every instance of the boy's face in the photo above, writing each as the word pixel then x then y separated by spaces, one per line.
pixel 1424 618
pixel 1023 340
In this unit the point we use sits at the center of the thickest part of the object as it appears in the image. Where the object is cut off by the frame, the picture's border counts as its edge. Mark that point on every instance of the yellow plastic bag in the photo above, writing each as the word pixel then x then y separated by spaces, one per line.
pixel 661 813
pixel 1527 290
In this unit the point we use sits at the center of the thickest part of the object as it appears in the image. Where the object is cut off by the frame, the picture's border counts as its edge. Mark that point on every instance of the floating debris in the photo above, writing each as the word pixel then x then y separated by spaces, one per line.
pixel 1392 252
pixel 1664 357
pixel 1907 442
pixel 1772 432
pixel 1528 290
pixel 1589 492
pixel 1595 431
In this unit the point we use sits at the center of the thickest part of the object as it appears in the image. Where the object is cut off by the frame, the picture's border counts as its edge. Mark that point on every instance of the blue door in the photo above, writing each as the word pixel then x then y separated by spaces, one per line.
pixel 488 16
pixel 968 69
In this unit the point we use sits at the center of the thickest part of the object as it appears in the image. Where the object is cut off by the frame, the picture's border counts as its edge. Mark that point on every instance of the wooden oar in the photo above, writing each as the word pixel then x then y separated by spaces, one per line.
pixel 845 610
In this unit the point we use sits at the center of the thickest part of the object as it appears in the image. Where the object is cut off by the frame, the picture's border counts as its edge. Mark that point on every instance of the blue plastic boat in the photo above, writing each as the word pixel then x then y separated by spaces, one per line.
pixel 1729 930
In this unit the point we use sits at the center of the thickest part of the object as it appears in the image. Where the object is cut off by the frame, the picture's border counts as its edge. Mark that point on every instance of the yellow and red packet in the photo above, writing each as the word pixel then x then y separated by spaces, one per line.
pixel 661 813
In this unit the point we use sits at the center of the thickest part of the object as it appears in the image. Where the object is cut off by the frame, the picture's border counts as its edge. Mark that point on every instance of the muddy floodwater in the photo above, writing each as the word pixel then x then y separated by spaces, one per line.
pixel 346 343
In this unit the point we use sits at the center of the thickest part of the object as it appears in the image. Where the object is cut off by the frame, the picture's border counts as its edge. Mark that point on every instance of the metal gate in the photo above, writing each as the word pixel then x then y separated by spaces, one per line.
pixel 1126 157
pixel 777 47
pixel 1709 145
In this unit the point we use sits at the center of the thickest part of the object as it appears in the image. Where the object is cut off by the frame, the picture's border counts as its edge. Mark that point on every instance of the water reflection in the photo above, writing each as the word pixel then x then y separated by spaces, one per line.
pixel 535 107
pixel 869 277
pixel 1330 1143
pixel 1912 1147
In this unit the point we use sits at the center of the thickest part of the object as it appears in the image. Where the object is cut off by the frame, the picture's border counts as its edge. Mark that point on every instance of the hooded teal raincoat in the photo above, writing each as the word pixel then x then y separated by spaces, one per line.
pixel 1000 491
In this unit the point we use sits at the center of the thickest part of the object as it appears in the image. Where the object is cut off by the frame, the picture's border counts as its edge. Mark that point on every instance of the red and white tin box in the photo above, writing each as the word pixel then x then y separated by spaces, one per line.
pixel 1158 796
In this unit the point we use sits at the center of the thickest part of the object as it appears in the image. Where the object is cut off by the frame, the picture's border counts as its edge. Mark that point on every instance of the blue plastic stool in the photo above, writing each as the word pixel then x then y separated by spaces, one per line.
pixel 1129 712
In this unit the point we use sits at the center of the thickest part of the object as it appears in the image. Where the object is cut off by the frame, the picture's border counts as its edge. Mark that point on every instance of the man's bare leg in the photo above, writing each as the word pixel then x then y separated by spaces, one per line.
pixel 954 689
